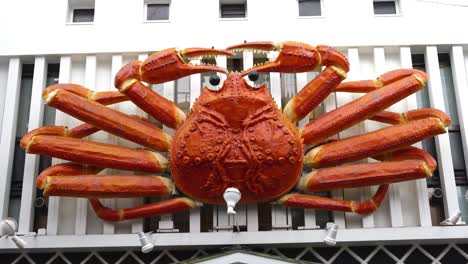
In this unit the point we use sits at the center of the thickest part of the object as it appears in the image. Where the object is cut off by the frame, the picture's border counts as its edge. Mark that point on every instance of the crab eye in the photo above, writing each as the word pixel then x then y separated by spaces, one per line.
pixel 214 80
pixel 253 76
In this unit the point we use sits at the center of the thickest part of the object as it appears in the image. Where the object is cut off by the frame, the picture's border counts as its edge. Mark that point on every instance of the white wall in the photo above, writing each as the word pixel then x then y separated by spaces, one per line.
pixel 39 27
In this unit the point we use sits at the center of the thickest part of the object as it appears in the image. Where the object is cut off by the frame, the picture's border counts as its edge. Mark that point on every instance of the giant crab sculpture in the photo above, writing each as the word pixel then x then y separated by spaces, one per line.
pixel 236 136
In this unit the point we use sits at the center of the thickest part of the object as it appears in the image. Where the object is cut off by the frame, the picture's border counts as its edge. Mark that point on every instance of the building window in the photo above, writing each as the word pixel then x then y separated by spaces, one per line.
pixel 310 7
pixel 233 9
pixel 80 11
pixel 157 10
pixel 83 15
pixel 385 7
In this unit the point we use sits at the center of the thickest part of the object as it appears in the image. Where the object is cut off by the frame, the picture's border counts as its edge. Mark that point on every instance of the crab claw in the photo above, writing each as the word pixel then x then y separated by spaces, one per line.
pixel 168 65
pixel 172 64
pixel 293 56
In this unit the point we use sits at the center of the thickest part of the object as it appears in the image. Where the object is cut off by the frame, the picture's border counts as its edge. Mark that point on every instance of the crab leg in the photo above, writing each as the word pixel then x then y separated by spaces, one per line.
pixel 362 108
pixel 76 180
pixel 374 143
pixel 404 164
pixel 300 57
pixel 153 209
pixel 105 98
pixel 366 86
pixel 108 186
pixel 362 175
pixel 97 154
pixel 65 169
pixel 409 163
pixel 108 119
pixel 403 118
pixel 162 66
pixel 317 202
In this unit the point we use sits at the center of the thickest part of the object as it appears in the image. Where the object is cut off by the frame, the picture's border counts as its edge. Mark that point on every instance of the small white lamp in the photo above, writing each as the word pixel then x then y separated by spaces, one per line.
pixel 330 239
pixel 8 227
pixel 452 220
pixel 231 196
pixel 146 245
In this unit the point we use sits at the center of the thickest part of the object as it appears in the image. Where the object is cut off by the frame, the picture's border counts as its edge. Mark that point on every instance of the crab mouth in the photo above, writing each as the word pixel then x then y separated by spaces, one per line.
pixel 203 59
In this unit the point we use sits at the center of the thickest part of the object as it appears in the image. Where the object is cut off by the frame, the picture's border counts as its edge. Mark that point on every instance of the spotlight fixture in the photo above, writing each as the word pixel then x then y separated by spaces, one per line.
pixel 231 196
pixel 8 228
pixel 452 220
pixel 330 239
pixel 146 245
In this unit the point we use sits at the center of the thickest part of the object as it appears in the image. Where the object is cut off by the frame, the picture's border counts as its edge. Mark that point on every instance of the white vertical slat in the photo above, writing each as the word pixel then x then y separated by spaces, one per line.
pixel 338 217
pixel 366 192
pixel 396 218
pixel 248 215
pixel 137 224
pixel 420 185
pixel 275 83
pixel 221 61
pixel 54 201
pixel 116 64
pixel 309 214
pixel 460 84
pixel 195 82
pixel 436 97
pixel 165 221
pixel 31 163
pixel 3 83
pixel 281 217
pixel 352 220
pixel 82 203
pixel 8 134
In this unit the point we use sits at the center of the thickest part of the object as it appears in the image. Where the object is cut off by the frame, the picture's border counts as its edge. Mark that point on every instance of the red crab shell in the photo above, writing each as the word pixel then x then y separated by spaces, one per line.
pixel 236 137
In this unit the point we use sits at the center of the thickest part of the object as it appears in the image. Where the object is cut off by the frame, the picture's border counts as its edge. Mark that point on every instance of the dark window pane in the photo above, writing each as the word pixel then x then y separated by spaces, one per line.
pixel 232 11
pixel 83 15
pixel 157 12
pixel 310 8
pixel 384 7
pixel 16 184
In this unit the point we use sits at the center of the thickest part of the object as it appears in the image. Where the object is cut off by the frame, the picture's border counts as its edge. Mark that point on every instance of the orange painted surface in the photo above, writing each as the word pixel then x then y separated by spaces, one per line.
pixel 358 110
pixel 94 153
pixel 107 186
pixel 236 137
pixel 374 143
pixel 361 175
pixel 318 202
pixel 110 120
pixel 153 209
pixel 65 169
pixel 155 105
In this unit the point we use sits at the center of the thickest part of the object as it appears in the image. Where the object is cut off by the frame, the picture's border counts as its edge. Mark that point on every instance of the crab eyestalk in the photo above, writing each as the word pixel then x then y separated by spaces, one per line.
pixel 160 67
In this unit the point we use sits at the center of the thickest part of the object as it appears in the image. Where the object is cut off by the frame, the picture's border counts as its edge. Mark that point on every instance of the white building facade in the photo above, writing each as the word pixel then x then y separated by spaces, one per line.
pixel 87 41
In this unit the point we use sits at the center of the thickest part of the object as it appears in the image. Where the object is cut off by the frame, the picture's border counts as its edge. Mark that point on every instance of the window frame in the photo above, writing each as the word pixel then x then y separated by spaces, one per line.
pixel 311 17
pixel 233 2
pixel 156 2
pixel 398 11
pixel 77 5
